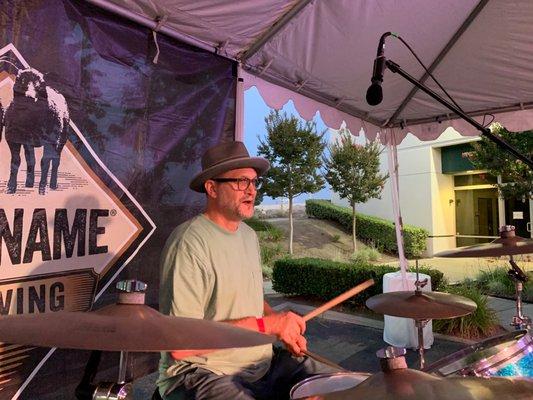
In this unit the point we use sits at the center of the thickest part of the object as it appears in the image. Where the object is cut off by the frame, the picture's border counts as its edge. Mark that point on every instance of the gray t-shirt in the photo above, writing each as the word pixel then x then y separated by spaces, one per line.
pixel 208 272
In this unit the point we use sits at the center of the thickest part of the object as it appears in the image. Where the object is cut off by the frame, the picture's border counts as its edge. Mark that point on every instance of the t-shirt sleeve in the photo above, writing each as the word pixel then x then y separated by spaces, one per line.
pixel 192 284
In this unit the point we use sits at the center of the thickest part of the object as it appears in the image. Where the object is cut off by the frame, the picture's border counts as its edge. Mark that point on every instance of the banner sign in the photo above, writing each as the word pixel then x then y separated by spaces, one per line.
pixel 99 139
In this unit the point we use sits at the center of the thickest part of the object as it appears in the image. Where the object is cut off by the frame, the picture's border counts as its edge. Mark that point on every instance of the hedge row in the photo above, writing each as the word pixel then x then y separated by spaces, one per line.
pixel 380 232
pixel 325 279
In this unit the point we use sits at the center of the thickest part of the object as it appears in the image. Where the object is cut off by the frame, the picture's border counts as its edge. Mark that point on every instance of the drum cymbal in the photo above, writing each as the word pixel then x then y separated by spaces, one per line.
pixel 508 244
pixel 421 305
pixel 416 385
pixel 124 327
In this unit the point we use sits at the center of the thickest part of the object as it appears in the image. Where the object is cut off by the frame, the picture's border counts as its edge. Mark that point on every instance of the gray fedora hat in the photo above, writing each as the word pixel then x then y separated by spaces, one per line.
pixel 225 157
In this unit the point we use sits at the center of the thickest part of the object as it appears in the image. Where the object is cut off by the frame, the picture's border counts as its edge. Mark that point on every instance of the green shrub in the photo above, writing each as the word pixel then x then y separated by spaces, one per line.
pixel 478 324
pixel 325 279
pixel 370 229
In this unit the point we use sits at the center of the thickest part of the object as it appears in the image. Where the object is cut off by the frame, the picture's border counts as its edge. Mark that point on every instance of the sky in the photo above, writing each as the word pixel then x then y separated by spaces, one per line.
pixel 255 112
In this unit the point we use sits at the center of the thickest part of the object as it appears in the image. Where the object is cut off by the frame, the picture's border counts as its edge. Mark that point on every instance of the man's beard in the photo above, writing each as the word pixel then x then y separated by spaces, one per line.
pixel 239 210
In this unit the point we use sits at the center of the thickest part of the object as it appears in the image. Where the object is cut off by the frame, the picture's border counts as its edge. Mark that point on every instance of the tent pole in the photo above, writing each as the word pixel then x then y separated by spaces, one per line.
pixel 391 65
pixel 239 106
pixel 152 24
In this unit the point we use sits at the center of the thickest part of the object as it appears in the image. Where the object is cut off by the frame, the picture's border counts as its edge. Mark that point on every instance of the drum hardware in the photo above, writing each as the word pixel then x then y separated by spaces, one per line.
pixel 420 324
pixel 129 325
pixel 130 292
pixel 326 383
pixel 518 276
pixel 396 381
pixel 508 244
pixel 510 354
pixel 422 307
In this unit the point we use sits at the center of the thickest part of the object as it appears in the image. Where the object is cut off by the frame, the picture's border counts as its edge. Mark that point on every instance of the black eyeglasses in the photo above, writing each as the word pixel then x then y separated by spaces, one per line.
pixel 242 183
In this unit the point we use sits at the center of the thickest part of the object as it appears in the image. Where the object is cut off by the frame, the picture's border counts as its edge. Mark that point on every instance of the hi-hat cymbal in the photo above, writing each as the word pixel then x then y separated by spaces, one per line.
pixel 409 384
pixel 421 305
pixel 508 244
pixel 124 327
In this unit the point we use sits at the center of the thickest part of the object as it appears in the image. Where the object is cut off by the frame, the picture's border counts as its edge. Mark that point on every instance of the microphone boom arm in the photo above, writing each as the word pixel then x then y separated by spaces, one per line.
pixel 395 68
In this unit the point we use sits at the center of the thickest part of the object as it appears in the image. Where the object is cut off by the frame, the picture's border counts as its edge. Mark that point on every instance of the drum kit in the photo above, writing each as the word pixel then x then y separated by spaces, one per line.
pixel 507 361
pixel 498 368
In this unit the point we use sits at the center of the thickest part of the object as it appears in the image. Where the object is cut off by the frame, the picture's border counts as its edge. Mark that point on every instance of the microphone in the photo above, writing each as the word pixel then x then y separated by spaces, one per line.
pixel 374 94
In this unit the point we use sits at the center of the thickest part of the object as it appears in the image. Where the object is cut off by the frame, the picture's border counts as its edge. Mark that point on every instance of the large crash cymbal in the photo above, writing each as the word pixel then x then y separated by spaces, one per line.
pixel 421 305
pixel 124 327
pixel 416 385
pixel 508 244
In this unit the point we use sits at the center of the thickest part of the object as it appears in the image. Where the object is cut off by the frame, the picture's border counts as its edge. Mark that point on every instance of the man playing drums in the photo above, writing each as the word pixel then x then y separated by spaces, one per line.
pixel 211 269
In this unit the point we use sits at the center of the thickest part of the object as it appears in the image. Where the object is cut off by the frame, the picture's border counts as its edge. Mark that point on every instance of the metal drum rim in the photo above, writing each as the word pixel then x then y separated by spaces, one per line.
pixel 482 366
pixel 315 377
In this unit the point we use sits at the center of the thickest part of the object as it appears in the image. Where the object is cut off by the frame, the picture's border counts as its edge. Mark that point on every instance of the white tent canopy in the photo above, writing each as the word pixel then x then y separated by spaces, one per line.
pixel 319 53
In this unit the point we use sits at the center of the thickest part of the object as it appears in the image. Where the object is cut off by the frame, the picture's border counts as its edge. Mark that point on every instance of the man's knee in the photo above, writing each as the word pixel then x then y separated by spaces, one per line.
pixel 206 385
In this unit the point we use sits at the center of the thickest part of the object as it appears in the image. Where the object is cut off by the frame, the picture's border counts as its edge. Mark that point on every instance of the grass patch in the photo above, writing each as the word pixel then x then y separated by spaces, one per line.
pixel 365 255
pixel 336 238
pixel 269 237
pixel 370 229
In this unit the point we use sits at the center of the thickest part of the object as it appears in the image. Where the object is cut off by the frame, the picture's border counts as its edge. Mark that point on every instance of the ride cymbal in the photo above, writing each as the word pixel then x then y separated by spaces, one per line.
pixel 124 327
pixel 421 305
pixel 508 244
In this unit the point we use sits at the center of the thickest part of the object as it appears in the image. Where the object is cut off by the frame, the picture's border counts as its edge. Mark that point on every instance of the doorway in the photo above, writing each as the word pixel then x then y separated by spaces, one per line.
pixel 518 213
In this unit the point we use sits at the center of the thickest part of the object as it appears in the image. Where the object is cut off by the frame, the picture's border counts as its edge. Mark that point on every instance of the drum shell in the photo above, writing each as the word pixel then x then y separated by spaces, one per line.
pixel 510 354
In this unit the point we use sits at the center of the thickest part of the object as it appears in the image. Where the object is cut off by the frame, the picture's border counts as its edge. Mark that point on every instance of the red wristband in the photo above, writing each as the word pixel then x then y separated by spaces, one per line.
pixel 260 324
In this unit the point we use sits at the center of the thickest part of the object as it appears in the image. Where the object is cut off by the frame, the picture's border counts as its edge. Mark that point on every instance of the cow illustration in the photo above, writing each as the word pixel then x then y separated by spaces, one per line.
pixel 37 117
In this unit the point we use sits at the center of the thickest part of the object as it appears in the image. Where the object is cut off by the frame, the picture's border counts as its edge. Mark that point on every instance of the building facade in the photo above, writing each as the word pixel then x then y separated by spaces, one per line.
pixel 440 192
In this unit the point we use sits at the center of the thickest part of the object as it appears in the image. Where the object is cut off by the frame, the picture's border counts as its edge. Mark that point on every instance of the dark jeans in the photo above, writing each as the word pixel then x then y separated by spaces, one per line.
pixel 285 371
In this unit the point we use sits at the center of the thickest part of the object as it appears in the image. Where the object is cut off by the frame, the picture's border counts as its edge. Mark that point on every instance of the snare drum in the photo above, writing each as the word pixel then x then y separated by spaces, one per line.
pixel 327 383
pixel 507 355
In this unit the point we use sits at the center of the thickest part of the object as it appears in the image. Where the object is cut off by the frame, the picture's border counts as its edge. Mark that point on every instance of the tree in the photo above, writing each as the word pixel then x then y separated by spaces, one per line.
pixel 294 150
pixel 352 171
pixel 517 177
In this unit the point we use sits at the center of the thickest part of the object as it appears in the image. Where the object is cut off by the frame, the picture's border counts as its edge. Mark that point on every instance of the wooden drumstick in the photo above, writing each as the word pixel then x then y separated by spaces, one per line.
pixel 339 299
pixel 323 360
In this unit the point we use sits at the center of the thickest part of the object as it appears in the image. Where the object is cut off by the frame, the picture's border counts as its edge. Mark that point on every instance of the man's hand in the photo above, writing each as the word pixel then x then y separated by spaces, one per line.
pixel 289 328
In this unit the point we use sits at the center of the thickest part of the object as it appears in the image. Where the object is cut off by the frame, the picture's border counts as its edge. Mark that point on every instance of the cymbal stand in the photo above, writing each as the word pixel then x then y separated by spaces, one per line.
pixel 420 323
pixel 518 276
pixel 87 390
pixel 130 292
